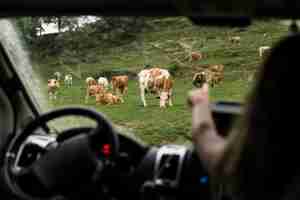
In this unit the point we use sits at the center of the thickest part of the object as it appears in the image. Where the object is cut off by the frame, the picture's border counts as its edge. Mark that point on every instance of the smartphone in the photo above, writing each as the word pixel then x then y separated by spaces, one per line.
pixel 225 114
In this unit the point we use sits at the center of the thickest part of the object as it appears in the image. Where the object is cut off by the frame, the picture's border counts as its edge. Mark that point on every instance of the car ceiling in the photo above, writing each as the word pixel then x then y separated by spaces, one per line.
pixel 196 8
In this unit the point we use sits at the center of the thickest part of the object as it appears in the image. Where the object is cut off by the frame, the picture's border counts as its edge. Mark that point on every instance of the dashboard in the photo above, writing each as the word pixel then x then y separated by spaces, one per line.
pixel 104 163
pixel 140 172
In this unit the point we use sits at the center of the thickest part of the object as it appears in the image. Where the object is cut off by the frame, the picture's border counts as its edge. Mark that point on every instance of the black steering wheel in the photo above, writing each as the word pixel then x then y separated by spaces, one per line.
pixel 77 158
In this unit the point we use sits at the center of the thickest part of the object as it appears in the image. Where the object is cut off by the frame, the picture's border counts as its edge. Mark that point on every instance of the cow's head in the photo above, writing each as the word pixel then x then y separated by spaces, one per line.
pixel 53 83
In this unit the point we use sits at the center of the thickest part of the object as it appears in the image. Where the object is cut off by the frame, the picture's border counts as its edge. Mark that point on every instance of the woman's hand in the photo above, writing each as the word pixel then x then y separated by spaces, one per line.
pixel 209 145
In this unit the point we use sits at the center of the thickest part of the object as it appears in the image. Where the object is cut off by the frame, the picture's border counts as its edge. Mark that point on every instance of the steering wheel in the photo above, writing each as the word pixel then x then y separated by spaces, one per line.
pixel 76 159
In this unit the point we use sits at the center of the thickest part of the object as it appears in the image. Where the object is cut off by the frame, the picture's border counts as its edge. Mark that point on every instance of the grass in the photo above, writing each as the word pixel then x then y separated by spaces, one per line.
pixel 172 125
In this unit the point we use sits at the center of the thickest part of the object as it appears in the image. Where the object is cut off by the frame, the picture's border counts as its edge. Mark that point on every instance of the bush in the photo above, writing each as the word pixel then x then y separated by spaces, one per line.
pixel 173 69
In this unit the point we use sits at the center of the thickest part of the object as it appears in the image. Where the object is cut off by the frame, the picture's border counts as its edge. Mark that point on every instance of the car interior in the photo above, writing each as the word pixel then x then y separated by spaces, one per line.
pixel 99 162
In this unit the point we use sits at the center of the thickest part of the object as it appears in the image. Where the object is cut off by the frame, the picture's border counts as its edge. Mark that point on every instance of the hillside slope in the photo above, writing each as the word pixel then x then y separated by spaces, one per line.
pixel 162 46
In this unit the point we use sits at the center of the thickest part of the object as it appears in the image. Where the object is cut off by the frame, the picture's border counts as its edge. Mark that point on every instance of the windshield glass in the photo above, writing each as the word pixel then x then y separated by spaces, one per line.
pixel 109 63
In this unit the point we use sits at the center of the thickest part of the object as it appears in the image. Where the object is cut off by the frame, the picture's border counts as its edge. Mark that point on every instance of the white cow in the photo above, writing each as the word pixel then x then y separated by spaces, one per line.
pixel 148 81
pixel 68 80
pixel 103 81
pixel 262 50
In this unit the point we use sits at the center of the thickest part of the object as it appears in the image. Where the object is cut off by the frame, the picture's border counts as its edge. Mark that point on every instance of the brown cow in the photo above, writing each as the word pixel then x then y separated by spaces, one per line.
pixel 196 56
pixel 119 84
pixel 107 98
pixel 93 90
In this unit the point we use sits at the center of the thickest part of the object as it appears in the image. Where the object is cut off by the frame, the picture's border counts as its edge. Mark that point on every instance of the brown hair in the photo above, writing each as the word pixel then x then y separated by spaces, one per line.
pixel 260 156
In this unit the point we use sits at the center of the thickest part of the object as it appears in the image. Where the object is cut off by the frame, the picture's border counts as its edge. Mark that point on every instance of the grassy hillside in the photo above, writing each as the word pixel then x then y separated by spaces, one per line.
pixel 160 47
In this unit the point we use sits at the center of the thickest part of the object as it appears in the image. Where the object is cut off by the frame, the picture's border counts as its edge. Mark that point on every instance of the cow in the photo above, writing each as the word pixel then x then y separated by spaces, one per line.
pixel 155 80
pixel 90 81
pixel 235 39
pixel 213 74
pixel 217 68
pixel 57 76
pixel 107 98
pixel 93 90
pixel 53 86
pixel 103 81
pixel 199 79
pixel 195 56
pixel 68 80
pixel 263 50
pixel 119 84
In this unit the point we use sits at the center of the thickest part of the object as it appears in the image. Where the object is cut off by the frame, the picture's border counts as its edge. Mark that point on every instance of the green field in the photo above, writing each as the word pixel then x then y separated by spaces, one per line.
pixel 152 124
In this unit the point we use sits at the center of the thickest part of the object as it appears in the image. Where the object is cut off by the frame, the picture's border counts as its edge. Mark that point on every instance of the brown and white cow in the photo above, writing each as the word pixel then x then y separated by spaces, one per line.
pixel 53 86
pixel 213 74
pixel 119 84
pixel 199 79
pixel 159 82
pixel 90 81
pixel 93 90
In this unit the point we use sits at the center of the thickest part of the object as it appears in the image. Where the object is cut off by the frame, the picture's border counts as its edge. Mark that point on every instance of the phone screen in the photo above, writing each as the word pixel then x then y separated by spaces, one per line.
pixel 225 114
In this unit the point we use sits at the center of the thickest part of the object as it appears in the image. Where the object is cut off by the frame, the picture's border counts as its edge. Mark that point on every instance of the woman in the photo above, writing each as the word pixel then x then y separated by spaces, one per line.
pixel 259 160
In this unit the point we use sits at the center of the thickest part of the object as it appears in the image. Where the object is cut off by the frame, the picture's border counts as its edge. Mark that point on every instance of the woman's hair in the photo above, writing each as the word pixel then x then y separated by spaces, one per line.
pixel 262 156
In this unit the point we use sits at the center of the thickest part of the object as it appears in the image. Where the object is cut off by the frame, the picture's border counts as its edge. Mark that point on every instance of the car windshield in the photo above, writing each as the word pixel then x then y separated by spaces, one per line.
pixel 96 61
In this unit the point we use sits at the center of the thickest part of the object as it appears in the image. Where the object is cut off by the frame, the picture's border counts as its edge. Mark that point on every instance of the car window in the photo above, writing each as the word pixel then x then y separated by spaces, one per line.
pixel 67 53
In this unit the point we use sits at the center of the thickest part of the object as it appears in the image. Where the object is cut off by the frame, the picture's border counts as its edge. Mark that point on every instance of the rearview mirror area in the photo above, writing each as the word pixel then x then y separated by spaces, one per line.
pixel 204 9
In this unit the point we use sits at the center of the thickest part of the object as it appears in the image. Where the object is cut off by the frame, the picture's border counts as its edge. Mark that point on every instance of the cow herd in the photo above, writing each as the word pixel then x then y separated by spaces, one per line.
pixel 154 80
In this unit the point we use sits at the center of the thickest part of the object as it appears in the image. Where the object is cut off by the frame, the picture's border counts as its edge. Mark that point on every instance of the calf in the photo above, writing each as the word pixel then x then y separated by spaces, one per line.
pixel 119 84
pixel 68 80
pixel 53 86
